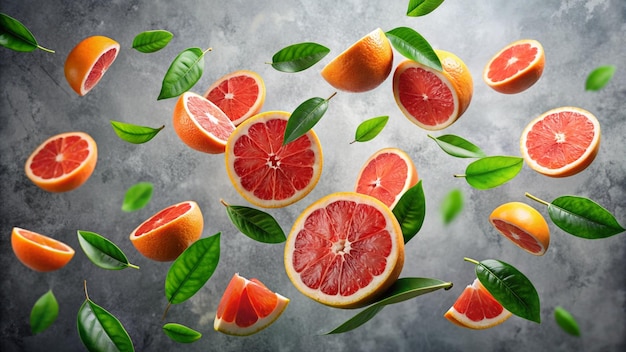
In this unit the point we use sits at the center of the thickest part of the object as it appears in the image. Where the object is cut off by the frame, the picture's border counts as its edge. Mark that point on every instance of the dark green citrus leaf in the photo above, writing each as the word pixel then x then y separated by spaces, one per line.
pixel 181 333
pixel 410 211
pixel 492 171
pixel 413 46
pixel 583 217
pixel 298 57
pixel 451 205
pixel 15 36
pixel 566 321
pixel 133 133
pixel 304 117
pixel 44 312
pixel 100 331
pixel 599 77
pixel 422 7
pixel 152 41
pixel 458 147
pixel 256 224
pixel 183 74
pixel 370 128
pixel 137 196
pixel 102 252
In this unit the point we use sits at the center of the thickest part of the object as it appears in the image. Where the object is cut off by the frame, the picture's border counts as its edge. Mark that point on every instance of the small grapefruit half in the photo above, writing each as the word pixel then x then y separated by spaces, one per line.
pixel 39 252
pixel 344 250
pixel 239 95
pixel 523 225
pixel 88 61
pixel 561 142
pixel 247 307
pixel 516 67
pixel 477 309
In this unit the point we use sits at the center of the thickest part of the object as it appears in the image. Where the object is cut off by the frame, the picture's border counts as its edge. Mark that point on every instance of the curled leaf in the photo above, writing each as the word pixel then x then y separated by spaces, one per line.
pixel 413 46
pixel 370 128
pixel 44 312
pixel 133 133
pixel 256 224
pixel 137 196
pixel 492 171
pixel 304 117
pixel 181 333
pixel 410 211
pixel 422 7
pixel 152 41
pixel 184 73
pixel 102 252
pixel 599 77
pixel 458 146
pixel 100 330
pixel 15 36
pixel 298 57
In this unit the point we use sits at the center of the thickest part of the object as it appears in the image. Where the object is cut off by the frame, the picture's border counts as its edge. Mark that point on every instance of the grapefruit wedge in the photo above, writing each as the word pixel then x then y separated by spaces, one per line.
pixel 477 309
pixel 39 252
pixel 523 225
pixel 88 61
pixel 239 95
pixel 516 67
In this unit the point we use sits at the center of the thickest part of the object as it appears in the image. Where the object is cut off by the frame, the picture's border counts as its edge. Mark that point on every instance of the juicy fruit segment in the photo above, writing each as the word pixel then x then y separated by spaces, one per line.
pixel 561 142
pixel 363 66
pixel 386 175
pixel 88 61
pixel 63 162
pixel 516 67
pixel 523 225
pixel 263 170
pixel 247 307
pixel 39 252
pixel 344 250
pixel 433 99
pixel 166 234
pixel 239 95
pixel 477 309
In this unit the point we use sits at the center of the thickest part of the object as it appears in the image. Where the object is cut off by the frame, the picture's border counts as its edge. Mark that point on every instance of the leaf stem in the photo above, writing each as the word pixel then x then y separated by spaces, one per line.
pixel 206 51
pixel 331 96
pixel 473 261
pixel 169 304
pixel 45 49
pixel 537 199
pixel 460 175
pixel 85 288
pixel 224 203
pixel 132 266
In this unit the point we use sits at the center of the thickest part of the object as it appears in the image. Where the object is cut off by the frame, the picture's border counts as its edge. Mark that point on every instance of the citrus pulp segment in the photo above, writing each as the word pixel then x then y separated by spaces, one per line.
pixel 344 250
pixel 523 225
pixel 477 309
pixel 516 67
pixel 63 162
pixel 39 252
pixel 263 170
pixel 239 95
pixel 88 61
pixel 561 142
pixel 247 306
pixel 166 234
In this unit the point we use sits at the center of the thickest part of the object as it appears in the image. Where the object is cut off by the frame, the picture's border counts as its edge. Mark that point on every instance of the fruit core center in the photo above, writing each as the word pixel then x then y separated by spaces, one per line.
pixel 229 96
pixel 341 247
pixel 59 158
pixel 212 118
pixel 559 137
pixel 273 161
pixel 512 61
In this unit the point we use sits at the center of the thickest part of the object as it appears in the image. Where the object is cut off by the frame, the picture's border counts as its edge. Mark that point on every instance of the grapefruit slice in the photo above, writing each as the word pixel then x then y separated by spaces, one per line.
pixel 430 98
pixel 561 142
pixel 239 95
pixel 386 175
pixel 166 234
pixel 88 61
pixel 247 307
pixel 523 225
pixel 201 124
pixel 63 162
pixel 263 170
pixel 39 252
pixel 344 250
pixel 477 309
pixel 516 67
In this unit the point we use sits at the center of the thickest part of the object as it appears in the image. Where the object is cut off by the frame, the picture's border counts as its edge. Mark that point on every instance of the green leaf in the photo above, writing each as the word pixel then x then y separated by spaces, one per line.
pixel 183 74
pixel 298 57
pixel 181 333
pixel 410 211
pixel 256 224
pixel 100 331
pixel 583 217
pixel 458 147
pixel 102 252
pixel 370 128
pixel 413 46
pixel 304 117
pixel 599 77
pixel 133 133
pixel 566 321
pixel 15 36
pixel 452 205
pixel 44 312
pixel 422 7
pixel 152 41
pixel 403 289
pixel 192 269
pixel 492 171
pixel 137 196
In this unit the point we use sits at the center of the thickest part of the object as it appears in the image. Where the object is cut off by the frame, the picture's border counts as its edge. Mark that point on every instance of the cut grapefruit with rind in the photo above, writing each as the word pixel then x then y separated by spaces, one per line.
pixel 516 67
pixel 477 309
pixel 344 250
pixel 523 225
pixel 38 252
pixel 88 61
pixel 239 94
pixel 247 307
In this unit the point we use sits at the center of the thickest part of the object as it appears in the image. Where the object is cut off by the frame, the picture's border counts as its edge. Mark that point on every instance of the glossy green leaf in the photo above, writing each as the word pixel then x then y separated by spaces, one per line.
pixel 181 333
pixel 566 321
pixel 599 77
pixel 102 252
pixel 492 171
pixel 183 74
pixel 137 196
pixel 298 57
pixel 403 289
pixel 370 128
pixel 256 224
pixel 452 205
pixel 15 36
pixel 44 312
pixel 422 7
pixel 583 217
pixel 152 41
pixel 413 46
pixel 134 133
pixel 410 211
pixel 304 117
pixel 100 331
pixel 458 147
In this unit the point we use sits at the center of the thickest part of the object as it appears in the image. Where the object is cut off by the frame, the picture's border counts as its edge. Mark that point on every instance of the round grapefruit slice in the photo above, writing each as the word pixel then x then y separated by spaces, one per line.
pixel 239 95
pixel 247 307
pixel 477 309
pixel 523 225
pixel 39 252
pixel 344 250
pixel 263 170
pixel 88 61
pixel 561 142
pixel 63 162
pixel 516 67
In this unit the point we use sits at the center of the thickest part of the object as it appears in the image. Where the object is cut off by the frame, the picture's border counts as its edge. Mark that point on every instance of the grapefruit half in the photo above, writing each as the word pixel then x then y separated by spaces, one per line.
pixel 239 95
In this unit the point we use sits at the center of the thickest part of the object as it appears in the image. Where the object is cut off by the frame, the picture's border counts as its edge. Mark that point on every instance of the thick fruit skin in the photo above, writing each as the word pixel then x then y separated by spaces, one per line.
pixel 525 79
pixel 81 59
pixel 525 217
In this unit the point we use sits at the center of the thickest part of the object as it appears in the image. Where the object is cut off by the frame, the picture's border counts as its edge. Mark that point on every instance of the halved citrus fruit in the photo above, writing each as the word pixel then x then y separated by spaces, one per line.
pixel 386 175
pixel 201 124
pixel 239 95
pixel 39 252
pixel 522 224
pixel 561 142
pixel 516 67
pixel 247 307
pixel 344 250
pixel 63 162
pixel 166 234
pixel 363 66
pixel 263 170
pixel 88 61
pixel 477 309
pixel 430 98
